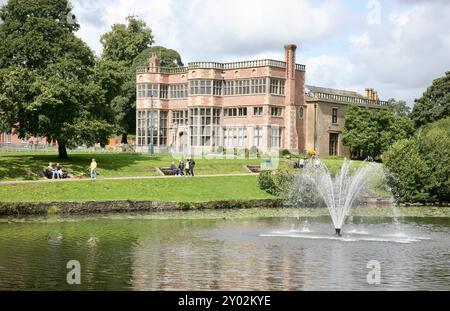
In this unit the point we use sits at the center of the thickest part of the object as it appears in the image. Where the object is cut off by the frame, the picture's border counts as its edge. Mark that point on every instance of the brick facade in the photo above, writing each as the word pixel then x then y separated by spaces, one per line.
pixel 259 104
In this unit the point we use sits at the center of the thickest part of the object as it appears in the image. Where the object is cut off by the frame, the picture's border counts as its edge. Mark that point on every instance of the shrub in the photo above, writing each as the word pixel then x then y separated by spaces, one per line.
pixel 284 153
pixel 419 168
pixel 301 192
pixel 407 173
pixel 275 184
pixel 267 183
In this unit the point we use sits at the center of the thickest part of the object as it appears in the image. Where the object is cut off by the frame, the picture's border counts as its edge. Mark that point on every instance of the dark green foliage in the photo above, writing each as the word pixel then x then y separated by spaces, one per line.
pixel 126 42
pixel 266 182
pixel 169 58
pixel 370 132
pixel 47 74
pixel 34 33
pixel 408 173
pixel 399 108
pixel 434 103
pixel 284 153
pixel 419 168
pixel 126 48
pixel 275 183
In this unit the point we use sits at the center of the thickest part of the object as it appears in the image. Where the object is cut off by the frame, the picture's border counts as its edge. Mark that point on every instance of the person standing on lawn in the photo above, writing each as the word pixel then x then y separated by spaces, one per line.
pixel 187 168
pixel 181 168
pixel 93 169
pixel 191 166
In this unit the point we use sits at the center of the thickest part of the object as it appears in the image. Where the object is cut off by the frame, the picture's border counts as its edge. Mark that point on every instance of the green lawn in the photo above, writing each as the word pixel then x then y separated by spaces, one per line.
pixel 29 166
pixel 189 189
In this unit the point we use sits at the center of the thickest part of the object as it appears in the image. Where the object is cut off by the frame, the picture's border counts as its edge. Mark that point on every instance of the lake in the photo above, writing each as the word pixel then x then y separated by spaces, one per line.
pixel 224 250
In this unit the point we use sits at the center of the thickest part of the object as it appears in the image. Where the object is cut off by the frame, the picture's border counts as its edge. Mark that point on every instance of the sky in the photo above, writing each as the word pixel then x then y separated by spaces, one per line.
pixel 394 46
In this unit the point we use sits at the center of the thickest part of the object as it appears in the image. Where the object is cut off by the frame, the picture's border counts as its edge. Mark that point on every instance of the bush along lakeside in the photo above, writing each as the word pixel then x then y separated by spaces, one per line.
pixel 409 176
pixel 418 169
pixel 285 185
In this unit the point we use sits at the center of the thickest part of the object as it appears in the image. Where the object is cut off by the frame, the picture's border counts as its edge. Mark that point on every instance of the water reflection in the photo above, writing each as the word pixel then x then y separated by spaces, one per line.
pixel 210 254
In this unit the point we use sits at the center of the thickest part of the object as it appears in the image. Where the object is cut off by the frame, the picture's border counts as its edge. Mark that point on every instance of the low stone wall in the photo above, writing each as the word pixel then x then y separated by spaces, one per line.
pixel 127 206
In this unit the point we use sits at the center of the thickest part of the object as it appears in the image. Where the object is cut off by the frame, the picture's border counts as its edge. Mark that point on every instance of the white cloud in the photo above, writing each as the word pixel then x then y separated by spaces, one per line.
pixel 400 56
pixel 331 71
pixel 218 30
pixel 248 27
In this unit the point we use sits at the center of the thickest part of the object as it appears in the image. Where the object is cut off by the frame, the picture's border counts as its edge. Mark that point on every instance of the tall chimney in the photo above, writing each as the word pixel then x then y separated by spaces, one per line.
pixel 289 56
pixel 154 63
pixel 375 95
pixel 292 87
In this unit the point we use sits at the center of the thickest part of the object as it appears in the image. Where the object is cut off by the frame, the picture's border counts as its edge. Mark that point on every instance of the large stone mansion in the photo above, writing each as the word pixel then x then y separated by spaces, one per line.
pixel 260 104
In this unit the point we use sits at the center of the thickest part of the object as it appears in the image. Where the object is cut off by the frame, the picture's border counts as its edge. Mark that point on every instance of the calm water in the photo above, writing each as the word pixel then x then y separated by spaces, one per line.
pixel 277 253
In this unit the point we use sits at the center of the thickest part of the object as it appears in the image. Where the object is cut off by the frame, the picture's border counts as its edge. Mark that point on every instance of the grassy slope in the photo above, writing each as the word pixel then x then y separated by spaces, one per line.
pixel 23 166
pixel 29 166
pixel 171 189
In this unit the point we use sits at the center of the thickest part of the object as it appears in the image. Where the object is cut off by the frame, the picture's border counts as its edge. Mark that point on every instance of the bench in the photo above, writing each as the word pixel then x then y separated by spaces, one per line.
pixel 49 174
pixel 167 171
pixel 254 168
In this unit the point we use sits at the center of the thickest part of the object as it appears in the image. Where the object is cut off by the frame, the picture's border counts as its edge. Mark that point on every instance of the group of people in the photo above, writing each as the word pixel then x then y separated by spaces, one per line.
pixel 314 160
pixel 183 168
pixel 56 171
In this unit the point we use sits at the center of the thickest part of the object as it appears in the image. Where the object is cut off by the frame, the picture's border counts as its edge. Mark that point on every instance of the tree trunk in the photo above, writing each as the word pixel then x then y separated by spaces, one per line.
pixel 62 151
pixel 124 138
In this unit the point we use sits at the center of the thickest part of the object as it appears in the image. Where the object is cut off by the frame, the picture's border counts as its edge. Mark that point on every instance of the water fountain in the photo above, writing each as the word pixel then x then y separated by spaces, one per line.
pixel 337 192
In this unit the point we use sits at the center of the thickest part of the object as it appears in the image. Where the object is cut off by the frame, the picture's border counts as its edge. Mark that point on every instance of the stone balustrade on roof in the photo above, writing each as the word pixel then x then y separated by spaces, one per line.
pixel 221 66
pixel 341 96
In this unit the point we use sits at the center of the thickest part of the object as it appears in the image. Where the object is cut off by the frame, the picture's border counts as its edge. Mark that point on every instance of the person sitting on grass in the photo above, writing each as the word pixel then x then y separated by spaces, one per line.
pixel 51 170
pixel 93 169
pixel 59 172
pixel 174 168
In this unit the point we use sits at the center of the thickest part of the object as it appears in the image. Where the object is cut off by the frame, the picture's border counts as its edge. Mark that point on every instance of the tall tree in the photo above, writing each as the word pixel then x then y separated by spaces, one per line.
pixel 47 73
pixel 370 132
pixel 434 103
pixel 125 48
pixel 125 42
pixel 169 58
pixel 399 108
pixel 418 169
pixel 121 46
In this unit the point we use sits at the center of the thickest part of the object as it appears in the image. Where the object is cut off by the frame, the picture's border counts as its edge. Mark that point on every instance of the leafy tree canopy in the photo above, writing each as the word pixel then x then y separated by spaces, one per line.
pixel 47 74
pixel 434 103
pixel 370 132
pixel 168 57
pixel 399 108
pixel 126 42
pixel 125 48
pixel 418 169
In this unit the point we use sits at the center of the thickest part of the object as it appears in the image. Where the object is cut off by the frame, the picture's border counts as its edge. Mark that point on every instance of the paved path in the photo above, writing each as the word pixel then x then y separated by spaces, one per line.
pixel 14 182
